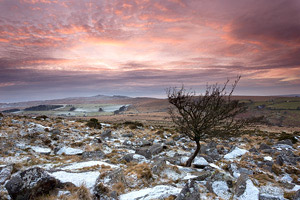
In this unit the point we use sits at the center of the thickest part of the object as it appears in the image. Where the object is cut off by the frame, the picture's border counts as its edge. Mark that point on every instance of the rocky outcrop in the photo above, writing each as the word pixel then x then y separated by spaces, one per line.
pixel 5 173
pixel 30 184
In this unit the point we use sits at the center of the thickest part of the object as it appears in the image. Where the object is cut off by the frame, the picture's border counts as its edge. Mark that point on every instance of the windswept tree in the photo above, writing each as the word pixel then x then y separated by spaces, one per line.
pixel 212 114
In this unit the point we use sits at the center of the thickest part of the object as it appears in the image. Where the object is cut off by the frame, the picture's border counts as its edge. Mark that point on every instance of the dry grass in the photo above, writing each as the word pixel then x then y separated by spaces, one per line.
pixel 119 187
pixel 264 179
pixel 77 193
pixel 289 195
pixel 142 171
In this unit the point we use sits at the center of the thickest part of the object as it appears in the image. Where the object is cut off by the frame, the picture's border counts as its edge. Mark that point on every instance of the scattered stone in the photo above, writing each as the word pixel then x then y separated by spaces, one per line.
pixel 156 149
pixel 190 191
pixel 130 134
pixel 264 146
pixel 240 185
pixel 144 151
pixel 93 154
pixel 106 134
pixel 286 141
pixel 203 175
pixel 236 152
pixel 69 151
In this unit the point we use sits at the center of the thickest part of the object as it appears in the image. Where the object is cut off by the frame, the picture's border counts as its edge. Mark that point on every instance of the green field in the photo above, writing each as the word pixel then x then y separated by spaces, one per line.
pixel 80 110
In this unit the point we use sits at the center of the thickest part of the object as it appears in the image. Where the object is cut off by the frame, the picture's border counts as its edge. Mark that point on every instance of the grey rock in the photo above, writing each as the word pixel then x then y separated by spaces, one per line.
pixel 30 184
pixel 156 149
pixel 5 173
pixel 170 142
pixel 127 143
pixel 106 134
pixel 264 146
pixel 128 157
pixel 287 142
pixel 246 171
pixel 203 175
pixel 130 134
pixel 93 154
pixel 144 151
pixel 190 191
pixel 279 160
pixel 149 151
pixel 143 143
pixel 268 197
pixel 253 150
pixel 55 132
pixel 240 185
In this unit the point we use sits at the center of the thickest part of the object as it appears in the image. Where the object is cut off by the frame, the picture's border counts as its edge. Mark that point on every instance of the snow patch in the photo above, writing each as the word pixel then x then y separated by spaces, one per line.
pixel 220 188
pixel 200 161
pixel 271 192
pixel 69 151
pixel 251 192
pixel 40 149
pixel 157 192
pixel 87 164
pixel 268 158
pixel 86 178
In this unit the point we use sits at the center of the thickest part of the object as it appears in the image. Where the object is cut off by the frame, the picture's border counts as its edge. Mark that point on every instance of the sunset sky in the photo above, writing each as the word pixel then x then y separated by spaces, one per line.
pixel 63 48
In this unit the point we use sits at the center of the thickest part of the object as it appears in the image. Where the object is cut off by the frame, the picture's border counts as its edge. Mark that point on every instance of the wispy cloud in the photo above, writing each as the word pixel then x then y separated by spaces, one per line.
pixel 140 47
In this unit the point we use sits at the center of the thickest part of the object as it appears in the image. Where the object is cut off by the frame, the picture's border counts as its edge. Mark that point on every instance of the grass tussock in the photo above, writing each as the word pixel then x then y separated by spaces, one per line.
pixel 142 171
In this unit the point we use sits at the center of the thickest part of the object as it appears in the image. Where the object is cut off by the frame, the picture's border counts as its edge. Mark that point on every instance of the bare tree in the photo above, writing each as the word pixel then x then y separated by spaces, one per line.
pixel 211 114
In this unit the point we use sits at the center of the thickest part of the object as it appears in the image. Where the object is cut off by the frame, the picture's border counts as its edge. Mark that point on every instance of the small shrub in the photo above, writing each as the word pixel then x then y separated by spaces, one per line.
pixel 44 117
pixel 93 123
pixel 285 136
pixel 133 125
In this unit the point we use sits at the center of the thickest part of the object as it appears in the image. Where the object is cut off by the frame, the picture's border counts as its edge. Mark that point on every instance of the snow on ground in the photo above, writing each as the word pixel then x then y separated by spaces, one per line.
pixel 189 176
pixel 287 178
pixel 105 125
pixel 157 192
pixel 81 165
pixel 200 161
pixel 69 151
pixel 214 166
pixel 12 159
pixel 235 153
pixel 251 192
pixel 268 158
pixel 221 189
pixel 85 178
pixel 40 149
pixel 271 192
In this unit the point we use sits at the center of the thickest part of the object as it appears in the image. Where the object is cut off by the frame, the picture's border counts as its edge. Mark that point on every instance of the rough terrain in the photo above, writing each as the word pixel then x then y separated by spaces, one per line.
pixel 59 158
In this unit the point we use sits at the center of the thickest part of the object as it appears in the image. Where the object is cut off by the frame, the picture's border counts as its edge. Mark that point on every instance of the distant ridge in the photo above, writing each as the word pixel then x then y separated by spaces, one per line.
pixel 289 95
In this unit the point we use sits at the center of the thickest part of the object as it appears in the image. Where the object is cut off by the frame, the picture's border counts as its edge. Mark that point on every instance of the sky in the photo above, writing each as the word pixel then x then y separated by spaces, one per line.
pixel 64 48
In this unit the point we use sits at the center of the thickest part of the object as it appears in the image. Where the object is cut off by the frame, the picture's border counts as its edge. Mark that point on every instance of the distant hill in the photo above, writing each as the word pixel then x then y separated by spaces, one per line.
pixel 289 95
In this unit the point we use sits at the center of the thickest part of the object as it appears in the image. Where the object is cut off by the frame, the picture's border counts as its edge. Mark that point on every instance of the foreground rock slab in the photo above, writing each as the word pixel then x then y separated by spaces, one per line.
pixel 30 184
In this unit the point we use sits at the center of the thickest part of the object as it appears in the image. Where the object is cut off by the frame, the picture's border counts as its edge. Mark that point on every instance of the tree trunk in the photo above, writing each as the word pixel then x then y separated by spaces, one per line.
pixel 190 160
